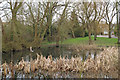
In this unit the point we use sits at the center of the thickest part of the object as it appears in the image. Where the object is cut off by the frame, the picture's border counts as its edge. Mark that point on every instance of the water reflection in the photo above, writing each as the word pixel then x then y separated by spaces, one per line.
pixel 46 51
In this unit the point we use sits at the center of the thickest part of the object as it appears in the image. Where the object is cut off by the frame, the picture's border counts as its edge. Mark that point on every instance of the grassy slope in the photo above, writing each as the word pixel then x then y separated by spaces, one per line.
pixel 100 41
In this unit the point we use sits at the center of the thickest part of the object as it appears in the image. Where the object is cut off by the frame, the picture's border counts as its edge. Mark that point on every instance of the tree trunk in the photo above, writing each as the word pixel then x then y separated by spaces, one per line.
pixel 1 24
pixel 118 27
pixel 73 35
pixel 119 34
pixel 57 37
pixel 50 22
pixel 12 31
pixel 59 24
pixel 89 34
pixel 109 30
pixel 95 33
pixel 57 41
pixel 90 40
pixel 95 36
pixel 36 41
pixel 0 43
pixel 13 24
pixel 35 31
pixel 83 33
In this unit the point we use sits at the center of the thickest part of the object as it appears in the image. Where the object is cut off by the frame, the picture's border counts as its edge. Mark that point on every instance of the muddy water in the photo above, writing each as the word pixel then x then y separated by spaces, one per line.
pixel 55 52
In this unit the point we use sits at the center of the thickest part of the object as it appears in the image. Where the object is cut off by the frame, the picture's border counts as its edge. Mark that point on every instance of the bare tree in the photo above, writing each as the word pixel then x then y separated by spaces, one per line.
pixel 98 15
pixel 86 14
pixel 42 20
pixel 59 24
pixel 110 12
pixel 74 22
pixel 14 7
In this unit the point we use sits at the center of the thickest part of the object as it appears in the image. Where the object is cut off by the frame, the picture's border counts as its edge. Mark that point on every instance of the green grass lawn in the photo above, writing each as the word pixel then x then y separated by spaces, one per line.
pixel 101 41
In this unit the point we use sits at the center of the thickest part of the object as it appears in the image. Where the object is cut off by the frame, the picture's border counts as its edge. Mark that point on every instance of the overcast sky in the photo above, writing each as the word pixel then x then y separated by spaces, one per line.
pixel 2 13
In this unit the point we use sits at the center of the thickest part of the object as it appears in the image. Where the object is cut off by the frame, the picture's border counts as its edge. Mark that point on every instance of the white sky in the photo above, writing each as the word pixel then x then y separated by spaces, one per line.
pixel 56 16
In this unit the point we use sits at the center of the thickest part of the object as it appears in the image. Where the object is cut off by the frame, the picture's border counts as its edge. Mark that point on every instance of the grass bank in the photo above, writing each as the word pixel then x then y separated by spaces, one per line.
pixel 101 41
pixel 80 42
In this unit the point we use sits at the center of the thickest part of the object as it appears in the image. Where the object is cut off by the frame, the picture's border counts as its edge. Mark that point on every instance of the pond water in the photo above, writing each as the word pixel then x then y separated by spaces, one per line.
pixel 46 51
pixel 55 52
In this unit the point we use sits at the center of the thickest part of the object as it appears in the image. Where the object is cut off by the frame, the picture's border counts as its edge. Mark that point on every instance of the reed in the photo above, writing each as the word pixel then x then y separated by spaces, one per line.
pixel 106 61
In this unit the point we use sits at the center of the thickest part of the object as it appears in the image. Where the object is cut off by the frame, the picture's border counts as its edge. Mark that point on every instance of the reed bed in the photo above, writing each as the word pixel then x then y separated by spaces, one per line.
pixel 106 61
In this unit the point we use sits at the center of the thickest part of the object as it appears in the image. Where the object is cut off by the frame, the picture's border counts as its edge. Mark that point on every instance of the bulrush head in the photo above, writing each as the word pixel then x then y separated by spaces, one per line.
pixel 11 65
pixel 41 57
pixel 31 59
pixel 11 68
pixel 23 60
pixel 0 66
pixel 21 64
pixel 16 66
pixel 50 57
pixel 4 65
pixel 64 58
pixel 44 59
pixel 27 68
pixel 38 57
pixel 104 61
pixel 60 57
pixel 5 69
pixel 72 59
pixel 34 65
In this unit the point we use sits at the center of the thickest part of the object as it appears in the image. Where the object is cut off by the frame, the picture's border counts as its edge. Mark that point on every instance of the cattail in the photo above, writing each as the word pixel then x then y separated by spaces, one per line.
pixel 21 64
pixel 27 68
pixel 5 69
pixel 38 57
pixel 12 69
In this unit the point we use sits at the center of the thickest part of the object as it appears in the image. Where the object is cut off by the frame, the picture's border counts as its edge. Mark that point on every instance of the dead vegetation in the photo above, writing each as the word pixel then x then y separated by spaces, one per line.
pixel 107 61
pixel 78 48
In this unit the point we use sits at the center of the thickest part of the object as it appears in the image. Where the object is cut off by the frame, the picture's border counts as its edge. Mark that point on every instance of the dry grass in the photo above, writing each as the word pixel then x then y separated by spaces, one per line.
pixel 106 62
pixel 78 48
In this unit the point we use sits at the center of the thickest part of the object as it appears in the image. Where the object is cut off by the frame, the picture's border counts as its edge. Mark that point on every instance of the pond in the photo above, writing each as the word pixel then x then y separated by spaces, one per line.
pixel 55 52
